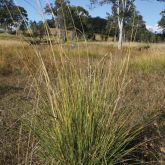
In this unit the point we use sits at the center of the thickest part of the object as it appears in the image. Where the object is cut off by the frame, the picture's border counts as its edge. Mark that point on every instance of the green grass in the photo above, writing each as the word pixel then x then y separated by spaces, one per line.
pixel 150 64
pixel 6 36
pixel 80 120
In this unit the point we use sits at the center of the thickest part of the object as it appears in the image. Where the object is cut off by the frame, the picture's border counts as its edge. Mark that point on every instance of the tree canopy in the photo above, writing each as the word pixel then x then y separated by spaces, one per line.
pixel 12 16
pixel 161 23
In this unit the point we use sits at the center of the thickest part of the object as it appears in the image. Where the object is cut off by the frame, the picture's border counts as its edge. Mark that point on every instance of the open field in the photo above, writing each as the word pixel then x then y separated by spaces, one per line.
pixel 91 104
pixel 82 82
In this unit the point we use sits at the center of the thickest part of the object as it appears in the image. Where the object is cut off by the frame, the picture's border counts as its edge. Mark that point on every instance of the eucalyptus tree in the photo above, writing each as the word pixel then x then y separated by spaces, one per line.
pixel 57 10
pixel 120 9
pixel 161 23
pixel 134 27
pixel 11 15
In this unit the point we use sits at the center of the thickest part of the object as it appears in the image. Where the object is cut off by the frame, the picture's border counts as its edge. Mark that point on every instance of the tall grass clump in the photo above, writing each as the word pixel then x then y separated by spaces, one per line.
pixel 79 119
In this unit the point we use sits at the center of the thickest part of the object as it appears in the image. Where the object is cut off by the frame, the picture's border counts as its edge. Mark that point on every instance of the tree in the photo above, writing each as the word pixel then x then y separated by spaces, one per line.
pixel 161 23
pixel 68 17
pixel 79 21
pixel 12 16
pixel 135 27
pixel 41 29
pixel 161 0
pixel 99 25
pixel 51 23
pixel 38 29
pixel 33 27
pixel 112 26
pixel 120 9
pixel 58 12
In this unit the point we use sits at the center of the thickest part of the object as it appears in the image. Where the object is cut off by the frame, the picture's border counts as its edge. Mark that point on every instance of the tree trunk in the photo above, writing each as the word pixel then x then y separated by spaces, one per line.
pixel 121 8
pixel 120 41
pixel 63 34
pixel 73 38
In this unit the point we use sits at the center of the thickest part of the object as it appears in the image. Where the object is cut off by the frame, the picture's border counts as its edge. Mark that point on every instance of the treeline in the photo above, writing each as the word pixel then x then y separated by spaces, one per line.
pixel 66 17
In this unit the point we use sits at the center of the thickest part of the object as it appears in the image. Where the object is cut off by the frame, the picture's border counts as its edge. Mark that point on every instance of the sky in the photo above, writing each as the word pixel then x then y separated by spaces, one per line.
pixel 149 9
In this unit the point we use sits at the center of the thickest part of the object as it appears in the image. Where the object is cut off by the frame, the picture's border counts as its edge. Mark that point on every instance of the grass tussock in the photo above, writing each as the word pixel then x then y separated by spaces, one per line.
pixel 80 119
pixel 88 110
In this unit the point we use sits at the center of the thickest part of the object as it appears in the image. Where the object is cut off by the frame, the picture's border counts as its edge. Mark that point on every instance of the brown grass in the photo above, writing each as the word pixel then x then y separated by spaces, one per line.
pixel 145 92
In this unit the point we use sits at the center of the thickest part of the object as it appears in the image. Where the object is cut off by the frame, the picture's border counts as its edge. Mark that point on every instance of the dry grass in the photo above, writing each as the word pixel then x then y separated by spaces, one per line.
pixel 142 95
